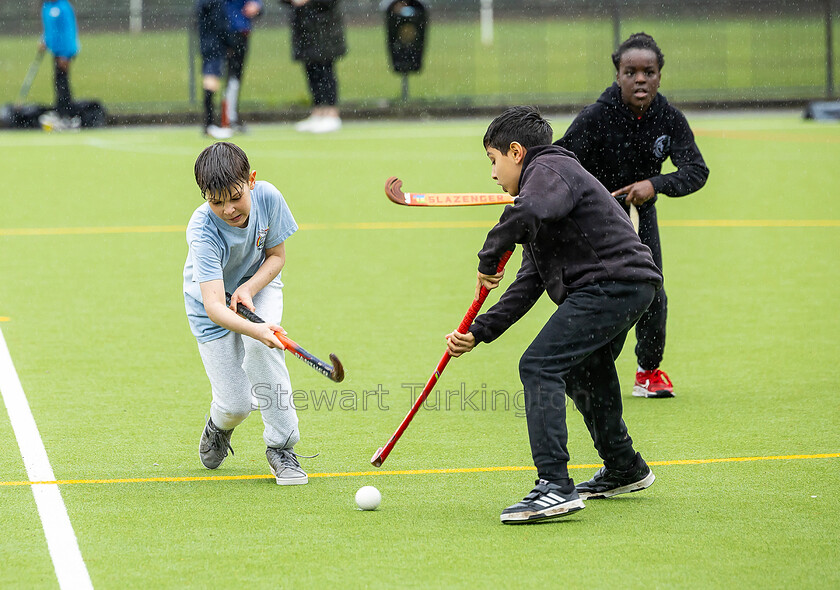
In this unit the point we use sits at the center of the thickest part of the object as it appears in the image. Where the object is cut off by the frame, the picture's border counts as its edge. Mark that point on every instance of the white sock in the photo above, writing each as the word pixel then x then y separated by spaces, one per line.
pixel 232 99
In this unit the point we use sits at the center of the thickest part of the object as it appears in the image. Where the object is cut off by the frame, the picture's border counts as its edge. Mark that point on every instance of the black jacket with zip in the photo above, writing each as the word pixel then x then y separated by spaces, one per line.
pixel 619 148
pixel 317 31
pixel 573 233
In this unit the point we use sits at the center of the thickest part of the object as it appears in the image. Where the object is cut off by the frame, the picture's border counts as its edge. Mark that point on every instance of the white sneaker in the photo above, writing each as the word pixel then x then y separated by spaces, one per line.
pixel 217 132
pixel 326 125
pixel 307 123
pixel 50 121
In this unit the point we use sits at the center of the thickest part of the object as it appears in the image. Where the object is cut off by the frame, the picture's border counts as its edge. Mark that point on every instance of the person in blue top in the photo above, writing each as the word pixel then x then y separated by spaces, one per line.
pixel 240 14
pixel 237 244
pixel 61 37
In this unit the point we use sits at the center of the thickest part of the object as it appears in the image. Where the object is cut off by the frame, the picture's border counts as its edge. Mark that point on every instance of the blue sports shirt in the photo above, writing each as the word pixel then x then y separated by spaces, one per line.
pixel 60 34
pixel 232 254
pixel 238 21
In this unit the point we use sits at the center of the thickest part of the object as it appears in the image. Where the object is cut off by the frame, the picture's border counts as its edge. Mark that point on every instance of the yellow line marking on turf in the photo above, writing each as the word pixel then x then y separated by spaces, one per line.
pixel 68 231
pixel 399 225
pixel 151 229
pixel 767 135
pixel 409 471
pixel 5 319
pixel 148 229
pixel 751 223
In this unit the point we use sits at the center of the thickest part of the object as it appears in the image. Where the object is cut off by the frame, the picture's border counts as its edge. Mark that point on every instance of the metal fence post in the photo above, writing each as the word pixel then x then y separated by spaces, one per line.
pixel 616 25
pixel 191 42
pixel 135 16
pixel 829 52
pixel 486 20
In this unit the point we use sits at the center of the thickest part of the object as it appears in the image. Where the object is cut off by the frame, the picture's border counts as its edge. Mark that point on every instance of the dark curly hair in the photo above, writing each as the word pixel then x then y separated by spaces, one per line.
pixel 638 41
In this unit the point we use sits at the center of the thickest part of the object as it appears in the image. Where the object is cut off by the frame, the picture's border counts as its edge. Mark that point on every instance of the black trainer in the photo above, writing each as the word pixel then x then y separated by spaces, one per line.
pixel 611 482
pixel 546 500
pixel 214 445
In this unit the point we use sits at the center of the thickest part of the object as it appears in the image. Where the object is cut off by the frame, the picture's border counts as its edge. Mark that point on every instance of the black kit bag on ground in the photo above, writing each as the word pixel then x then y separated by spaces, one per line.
pixel 23 116
pixel 91 113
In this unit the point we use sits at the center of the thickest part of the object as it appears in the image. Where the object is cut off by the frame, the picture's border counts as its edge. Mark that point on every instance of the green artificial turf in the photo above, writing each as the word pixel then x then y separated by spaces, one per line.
pixel 91 254
pixel 550 61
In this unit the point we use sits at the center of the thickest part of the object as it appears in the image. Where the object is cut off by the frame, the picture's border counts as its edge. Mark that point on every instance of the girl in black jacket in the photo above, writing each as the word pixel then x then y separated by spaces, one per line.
pixel 317 41
pixel 622 140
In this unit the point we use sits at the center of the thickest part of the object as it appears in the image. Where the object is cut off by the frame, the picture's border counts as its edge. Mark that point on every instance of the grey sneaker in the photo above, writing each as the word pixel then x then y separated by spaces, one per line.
pixel 214 445
pixel 546 500
pixel 285 467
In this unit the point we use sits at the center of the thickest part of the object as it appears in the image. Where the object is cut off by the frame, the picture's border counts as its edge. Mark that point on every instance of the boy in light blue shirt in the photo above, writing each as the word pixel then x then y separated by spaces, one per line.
pixel 237 245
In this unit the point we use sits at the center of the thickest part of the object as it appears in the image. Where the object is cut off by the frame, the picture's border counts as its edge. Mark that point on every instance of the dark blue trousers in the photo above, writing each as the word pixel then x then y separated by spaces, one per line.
pixel 574 354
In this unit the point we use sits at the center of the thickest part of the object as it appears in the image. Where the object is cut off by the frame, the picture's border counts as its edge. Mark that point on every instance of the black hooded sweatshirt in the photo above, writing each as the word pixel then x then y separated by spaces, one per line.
pixel 573 234
pixel 619 148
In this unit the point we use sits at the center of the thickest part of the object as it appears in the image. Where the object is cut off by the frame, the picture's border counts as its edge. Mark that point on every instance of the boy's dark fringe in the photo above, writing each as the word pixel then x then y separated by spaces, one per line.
pixel 522 124
pixel 220 171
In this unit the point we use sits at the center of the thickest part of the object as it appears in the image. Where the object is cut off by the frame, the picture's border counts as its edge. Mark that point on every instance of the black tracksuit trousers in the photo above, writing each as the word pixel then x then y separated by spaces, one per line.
pixel 574 354
pixel 650 330
pixel 323 85
pixel 63 100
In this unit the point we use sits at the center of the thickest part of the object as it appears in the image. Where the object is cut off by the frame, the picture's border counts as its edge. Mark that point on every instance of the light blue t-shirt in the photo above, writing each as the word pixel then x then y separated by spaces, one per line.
pixel 233 254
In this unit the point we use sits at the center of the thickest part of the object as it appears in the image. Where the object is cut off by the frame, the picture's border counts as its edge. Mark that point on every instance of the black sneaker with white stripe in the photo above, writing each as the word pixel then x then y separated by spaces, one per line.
pixel 546 500
pixel 612 482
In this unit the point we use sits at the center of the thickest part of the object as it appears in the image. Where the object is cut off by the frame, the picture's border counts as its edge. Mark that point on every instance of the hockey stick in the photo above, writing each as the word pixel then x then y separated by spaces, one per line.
pixel 334 372
pixel 30 76
pixel 382 453
pixel 393 190
pixel 634 213
pixel 394 184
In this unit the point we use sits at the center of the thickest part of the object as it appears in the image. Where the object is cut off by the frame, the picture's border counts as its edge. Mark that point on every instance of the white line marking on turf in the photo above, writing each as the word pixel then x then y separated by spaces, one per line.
pixel 61 539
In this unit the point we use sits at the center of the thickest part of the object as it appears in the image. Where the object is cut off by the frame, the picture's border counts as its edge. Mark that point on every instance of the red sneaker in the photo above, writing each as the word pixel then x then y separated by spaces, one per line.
pixel 653 384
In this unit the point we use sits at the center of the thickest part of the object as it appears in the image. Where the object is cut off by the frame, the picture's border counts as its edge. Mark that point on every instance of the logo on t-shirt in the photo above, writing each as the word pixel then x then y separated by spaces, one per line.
pixel 662 146
pixel 261 238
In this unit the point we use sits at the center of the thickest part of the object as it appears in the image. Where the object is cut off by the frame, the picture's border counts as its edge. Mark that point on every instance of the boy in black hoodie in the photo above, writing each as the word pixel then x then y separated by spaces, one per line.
pixel 580 248
pixel 623 140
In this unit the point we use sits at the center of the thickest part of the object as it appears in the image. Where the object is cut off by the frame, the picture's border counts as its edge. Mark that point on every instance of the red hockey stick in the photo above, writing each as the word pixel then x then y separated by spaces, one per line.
pixel 394 184
pixel 382 453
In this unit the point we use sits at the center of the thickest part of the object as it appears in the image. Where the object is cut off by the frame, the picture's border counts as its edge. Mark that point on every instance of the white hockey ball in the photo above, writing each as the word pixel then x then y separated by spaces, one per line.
pixel 368 498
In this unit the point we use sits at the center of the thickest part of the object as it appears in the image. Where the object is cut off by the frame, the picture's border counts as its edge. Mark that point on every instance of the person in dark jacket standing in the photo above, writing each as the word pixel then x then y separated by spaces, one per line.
pixel 317 41
pixel 213 40
pixel 580 248
pixel 623 140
